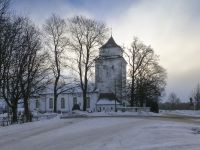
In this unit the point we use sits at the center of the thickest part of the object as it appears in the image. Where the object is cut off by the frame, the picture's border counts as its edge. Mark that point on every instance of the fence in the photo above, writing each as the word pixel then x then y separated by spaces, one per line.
pixel 5 121
pixel 43 117
pixel 134 109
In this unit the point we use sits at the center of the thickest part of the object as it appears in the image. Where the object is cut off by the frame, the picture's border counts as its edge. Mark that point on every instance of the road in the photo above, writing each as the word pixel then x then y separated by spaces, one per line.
pixel 102 133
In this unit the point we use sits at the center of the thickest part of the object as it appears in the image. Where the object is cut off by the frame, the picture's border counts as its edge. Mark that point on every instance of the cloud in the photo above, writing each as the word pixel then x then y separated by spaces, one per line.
pixel 40 10
pixel 172 29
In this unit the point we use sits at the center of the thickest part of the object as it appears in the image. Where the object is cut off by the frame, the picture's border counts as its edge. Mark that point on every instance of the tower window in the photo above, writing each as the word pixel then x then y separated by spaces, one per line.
pixel 113 67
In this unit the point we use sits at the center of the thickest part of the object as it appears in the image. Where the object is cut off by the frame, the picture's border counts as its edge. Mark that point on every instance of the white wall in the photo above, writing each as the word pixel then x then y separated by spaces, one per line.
pixel 110 75
pixel 44 102
pixel 111 51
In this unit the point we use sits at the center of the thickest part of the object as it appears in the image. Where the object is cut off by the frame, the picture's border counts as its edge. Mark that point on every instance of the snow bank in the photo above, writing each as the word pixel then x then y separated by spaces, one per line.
pixel 107 114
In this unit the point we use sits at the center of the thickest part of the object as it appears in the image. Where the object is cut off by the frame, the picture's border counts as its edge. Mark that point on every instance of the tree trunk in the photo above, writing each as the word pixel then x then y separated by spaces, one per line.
pixel 26 111
pixel 55 103
pixel 55 95
pixel 84 100
pixel 14 113
pixel 132 91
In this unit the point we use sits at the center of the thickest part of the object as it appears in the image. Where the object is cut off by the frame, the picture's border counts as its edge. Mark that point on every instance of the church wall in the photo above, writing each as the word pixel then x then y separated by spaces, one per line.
pixel 44 102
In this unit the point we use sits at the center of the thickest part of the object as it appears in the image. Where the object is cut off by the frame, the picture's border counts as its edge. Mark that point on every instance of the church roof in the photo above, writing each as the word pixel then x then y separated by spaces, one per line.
pixel 110 43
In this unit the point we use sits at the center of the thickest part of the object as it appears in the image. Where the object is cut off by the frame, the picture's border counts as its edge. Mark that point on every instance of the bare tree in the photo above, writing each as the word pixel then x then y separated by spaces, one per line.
pixel 139 56
pixel 11 71
pixel 34 75
pixel 147 79
pixel 4 27
pixel 151 84
pixel 196 97
pixel 21 67
pixel 4 4
pixel 86 35
pixel 173 100
pixel 56 42
pixel 10 30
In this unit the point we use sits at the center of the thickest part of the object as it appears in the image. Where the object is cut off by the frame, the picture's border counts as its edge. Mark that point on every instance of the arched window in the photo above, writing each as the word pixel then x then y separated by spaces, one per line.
pixel 74 100
pixel 51 103
pixel 37 103
pixel 88 102
pixel 62 103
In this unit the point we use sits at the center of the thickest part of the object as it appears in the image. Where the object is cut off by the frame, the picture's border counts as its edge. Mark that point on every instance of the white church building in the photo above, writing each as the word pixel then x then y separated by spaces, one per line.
pixel 107 93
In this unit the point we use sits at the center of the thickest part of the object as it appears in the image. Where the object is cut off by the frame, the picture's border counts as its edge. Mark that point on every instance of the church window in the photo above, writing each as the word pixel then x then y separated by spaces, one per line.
pixel 51 103
pixel 37 104
pixel 62 103
pixel 88 102
pixel 107 72
pixel 113 68
pixel 74 100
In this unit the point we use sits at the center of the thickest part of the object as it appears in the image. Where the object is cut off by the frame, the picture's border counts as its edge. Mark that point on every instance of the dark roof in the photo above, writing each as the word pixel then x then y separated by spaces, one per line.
pixel 109 96
pixel 110 43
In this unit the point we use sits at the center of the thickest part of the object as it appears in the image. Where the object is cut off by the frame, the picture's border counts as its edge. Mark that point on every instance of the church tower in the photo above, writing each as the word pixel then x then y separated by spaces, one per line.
pixel 110 70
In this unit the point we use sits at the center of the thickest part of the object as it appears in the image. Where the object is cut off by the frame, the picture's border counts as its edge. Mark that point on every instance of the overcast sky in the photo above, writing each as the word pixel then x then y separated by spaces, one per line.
pixel 171 27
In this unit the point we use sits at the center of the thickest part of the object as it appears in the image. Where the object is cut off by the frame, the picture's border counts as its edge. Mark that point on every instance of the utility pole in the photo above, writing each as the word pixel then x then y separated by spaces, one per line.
pixel 115 97
pixel 195 102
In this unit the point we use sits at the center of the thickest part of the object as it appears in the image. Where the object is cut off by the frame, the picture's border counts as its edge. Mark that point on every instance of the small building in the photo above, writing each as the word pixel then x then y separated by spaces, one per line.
pixel 107 102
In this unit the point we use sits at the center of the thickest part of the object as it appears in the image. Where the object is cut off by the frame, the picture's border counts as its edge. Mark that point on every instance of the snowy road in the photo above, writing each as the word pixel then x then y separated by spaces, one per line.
pixel 102 134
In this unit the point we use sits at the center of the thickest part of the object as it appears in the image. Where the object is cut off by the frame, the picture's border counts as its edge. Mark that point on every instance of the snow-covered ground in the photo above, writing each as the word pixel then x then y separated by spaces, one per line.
pixel 190 113
pixel 102 134
pixel 183 113
pixel 3 115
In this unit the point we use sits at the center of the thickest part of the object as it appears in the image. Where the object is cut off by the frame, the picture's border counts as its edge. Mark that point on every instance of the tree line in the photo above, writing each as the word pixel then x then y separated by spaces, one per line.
pixel 174 103
pixel 33 58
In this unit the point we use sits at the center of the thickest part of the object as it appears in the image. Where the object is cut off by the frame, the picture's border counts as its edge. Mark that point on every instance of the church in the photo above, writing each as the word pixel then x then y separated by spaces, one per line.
pixel 107 94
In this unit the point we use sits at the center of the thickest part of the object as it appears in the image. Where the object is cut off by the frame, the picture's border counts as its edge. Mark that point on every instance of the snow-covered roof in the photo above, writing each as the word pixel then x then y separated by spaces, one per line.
pixel 107 99
pixel 70 88
pixel 107 102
